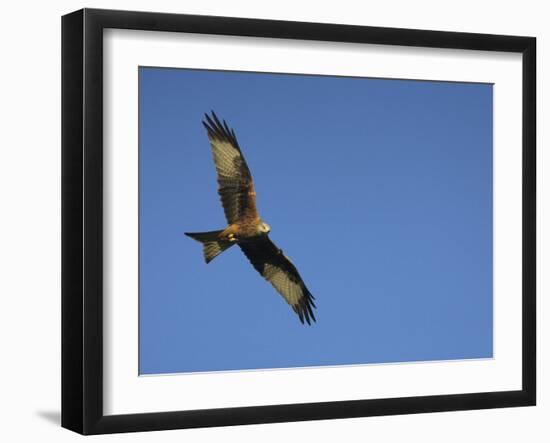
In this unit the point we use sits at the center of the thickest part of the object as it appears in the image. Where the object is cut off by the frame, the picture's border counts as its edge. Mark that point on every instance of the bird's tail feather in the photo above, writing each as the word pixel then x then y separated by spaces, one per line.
pixel 212 246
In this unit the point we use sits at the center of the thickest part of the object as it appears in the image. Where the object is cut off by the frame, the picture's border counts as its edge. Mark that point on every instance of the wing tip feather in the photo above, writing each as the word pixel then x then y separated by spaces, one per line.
pixel 304 308
pixel 218 130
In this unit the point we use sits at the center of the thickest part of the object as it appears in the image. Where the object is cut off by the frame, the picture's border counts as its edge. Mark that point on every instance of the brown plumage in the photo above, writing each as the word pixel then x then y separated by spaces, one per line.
pixel 245 226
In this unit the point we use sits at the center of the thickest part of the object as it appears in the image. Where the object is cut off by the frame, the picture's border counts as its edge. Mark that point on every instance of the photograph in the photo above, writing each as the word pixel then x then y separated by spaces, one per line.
pixel 275 222
pixel 297 221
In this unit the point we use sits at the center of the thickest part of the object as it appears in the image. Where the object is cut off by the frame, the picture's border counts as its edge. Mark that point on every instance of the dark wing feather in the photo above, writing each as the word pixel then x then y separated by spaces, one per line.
pixel 235 184
pixel 278 270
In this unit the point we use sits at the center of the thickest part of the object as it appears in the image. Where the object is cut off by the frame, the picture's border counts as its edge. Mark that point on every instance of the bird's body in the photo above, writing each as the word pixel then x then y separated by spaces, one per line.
pixel 245 226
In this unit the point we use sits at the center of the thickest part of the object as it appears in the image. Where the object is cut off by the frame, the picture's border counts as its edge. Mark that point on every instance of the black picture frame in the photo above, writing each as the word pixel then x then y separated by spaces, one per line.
pixel 82 219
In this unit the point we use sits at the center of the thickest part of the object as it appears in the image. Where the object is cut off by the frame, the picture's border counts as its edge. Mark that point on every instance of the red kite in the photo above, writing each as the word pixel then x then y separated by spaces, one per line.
pixel 245 226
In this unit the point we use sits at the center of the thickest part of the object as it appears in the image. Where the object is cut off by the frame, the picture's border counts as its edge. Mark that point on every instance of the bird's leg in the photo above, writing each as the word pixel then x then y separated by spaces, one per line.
pixel 231 237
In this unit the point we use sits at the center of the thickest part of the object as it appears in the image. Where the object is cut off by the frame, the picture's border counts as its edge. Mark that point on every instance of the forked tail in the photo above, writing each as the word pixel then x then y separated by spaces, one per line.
pixel 212 246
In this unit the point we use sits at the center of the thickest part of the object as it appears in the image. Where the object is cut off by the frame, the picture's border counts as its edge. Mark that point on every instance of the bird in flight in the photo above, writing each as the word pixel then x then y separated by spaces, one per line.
pixel 245 226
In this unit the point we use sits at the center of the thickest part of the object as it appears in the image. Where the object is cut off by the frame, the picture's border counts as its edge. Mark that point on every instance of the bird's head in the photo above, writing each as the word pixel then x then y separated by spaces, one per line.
pixel 264 228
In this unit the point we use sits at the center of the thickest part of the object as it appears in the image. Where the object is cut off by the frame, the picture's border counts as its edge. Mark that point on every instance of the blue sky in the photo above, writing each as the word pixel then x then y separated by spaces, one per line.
pixel 379 190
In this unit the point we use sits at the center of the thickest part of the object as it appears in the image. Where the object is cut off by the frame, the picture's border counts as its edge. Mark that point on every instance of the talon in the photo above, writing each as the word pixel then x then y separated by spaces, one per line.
pixel 231 237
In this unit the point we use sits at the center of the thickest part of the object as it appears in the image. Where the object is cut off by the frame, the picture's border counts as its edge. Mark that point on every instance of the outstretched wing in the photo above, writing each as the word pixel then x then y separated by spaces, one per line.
pixel 278 270
pixel 235 184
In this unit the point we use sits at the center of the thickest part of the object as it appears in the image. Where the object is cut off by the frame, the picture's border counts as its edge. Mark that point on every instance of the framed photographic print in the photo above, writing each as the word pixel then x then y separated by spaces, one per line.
pixel 269 221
